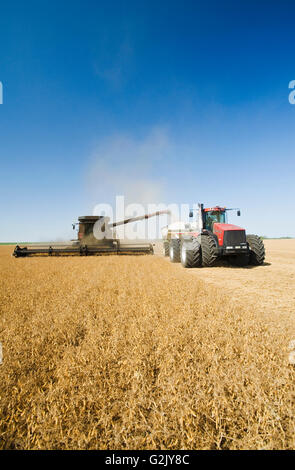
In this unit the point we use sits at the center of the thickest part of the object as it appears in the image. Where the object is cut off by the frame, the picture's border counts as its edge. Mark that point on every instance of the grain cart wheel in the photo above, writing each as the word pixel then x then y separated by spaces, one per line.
pixel 174 250
pixel 239 260
pixel 209 252
pixel 166 248
pixel 257 251
pixel 190 253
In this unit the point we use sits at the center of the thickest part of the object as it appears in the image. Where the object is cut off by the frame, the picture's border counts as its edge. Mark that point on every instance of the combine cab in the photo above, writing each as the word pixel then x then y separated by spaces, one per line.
pixel 210 238
pixel 95 237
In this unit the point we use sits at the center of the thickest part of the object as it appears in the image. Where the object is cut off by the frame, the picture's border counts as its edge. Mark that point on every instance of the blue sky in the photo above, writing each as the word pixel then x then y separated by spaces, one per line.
pixel 185 101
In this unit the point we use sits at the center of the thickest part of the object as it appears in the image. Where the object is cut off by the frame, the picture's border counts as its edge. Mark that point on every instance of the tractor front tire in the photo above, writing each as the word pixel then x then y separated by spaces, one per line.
pixel 191 256
pixel 174 250
pixel 257 251
pixel 166 248
pixel 209 252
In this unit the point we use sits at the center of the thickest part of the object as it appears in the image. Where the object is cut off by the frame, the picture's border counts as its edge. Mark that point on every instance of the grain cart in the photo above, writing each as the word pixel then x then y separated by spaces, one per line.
pixel 95 237
pixel 210 237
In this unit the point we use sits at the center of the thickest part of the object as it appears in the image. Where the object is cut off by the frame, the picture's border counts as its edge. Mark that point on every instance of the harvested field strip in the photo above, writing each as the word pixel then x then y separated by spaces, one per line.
pixel 135 353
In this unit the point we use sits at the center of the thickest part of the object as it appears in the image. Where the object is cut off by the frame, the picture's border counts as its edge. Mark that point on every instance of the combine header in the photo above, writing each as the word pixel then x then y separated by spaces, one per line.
pixel 88 244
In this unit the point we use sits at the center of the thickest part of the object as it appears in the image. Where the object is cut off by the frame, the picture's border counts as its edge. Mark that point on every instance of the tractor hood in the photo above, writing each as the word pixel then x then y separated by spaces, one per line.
pixel 224 227
pixel 220 229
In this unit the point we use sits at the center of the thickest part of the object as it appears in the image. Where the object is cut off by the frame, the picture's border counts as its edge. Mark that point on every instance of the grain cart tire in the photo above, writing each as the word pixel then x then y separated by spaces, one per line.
pixel 166 248
pixel 257 251
pixel 208 248
pixel 239 260
pixel 191 253
pixel 174 250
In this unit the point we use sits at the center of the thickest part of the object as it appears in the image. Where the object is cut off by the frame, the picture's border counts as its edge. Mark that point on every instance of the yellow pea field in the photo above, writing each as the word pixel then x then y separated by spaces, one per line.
pixel 133 352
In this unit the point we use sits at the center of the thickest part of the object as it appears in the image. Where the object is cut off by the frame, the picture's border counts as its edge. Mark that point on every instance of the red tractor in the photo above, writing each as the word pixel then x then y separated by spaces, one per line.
pixel 210 238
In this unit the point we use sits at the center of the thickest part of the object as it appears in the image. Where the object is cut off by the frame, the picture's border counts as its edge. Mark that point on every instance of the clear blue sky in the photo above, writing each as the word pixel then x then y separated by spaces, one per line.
pixel 187 100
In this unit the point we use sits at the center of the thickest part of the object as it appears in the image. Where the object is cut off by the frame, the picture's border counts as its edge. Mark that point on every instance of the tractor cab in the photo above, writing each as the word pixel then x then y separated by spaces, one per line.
pixel 213 215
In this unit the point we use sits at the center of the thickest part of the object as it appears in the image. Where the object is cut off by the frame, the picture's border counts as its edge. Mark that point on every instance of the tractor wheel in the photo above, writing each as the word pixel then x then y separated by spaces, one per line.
pixel 174 250
pixel 166 248
pixel 239 260
pixel 191 254
pixel 209 252
pixel 257 251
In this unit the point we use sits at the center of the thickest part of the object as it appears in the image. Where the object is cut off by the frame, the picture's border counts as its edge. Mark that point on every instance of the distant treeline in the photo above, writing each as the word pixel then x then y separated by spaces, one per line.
pixel 15 243
pixel 276 238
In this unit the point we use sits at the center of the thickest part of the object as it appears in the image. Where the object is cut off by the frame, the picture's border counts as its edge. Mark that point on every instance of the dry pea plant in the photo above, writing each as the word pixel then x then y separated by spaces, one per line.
pixel 131 352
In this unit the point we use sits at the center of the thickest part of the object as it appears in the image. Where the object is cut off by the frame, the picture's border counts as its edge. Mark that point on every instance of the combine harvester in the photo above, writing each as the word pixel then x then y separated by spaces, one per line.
pixel 209 238
pixel 88 244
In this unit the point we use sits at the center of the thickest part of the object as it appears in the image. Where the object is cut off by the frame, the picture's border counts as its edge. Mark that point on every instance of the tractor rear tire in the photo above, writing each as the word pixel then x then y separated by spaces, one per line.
pixel 239 260
pixel 174 250
pixel 257 251
pixel 191 256
pixel 166 248
pixel 209 252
